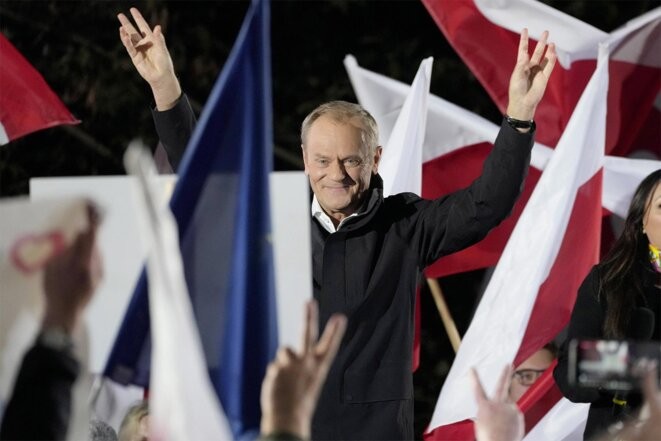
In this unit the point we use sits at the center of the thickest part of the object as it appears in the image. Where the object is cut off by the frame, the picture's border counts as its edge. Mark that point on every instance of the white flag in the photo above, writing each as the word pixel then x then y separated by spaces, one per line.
pixel 183 404
pixel 401 161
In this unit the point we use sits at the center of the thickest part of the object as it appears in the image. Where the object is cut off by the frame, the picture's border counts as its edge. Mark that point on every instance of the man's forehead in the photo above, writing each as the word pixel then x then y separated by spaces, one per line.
pixel 330 119
pixel 327 132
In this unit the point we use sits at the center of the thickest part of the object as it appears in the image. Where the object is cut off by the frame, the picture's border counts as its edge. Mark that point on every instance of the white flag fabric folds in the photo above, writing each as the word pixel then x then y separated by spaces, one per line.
pixel 401 160
pixel 564 422
pixel 183 404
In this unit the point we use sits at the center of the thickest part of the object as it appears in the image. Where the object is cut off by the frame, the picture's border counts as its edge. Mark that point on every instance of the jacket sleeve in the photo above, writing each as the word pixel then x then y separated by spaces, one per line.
pixel 174 128
pixel 586 322
pixel 40 404
pixel 456 221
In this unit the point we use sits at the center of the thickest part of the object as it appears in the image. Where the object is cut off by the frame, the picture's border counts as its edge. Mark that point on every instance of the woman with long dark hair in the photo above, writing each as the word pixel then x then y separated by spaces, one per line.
pixel 620 299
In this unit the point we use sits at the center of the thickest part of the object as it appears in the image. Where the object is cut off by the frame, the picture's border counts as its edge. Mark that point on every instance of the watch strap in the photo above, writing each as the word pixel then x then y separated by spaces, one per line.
pixel 520 123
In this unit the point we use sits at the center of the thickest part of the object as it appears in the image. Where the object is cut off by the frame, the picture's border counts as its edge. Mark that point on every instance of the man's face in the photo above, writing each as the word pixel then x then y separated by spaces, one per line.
pixel 528 372
pixel 338 166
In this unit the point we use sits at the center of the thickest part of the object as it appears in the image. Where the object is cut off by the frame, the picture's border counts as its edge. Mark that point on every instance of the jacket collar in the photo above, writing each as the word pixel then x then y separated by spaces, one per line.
pixel 371 205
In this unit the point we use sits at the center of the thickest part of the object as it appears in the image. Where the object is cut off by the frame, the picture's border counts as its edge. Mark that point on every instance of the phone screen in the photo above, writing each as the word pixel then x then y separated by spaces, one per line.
pixel 610 364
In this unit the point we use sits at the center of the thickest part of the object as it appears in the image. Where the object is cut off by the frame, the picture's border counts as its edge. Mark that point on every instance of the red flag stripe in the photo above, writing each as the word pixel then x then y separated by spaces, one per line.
pixel 27 104
pixel 557 294
pixel 635 72
pixel 476 39
pixel 461 431
pixel 540 398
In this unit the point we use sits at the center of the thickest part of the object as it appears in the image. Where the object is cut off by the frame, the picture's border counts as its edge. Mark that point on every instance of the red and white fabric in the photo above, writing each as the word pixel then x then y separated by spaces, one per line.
pixel 554 244
pixel 455 144
pixel 479 29
pixel 27 104
pixel 448 164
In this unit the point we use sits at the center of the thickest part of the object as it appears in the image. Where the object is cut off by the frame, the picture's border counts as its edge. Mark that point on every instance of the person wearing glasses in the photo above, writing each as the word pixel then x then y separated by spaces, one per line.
pixel 530 370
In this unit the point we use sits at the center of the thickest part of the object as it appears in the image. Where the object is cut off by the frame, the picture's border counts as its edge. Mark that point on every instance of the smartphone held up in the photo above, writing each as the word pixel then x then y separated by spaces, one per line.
pixel 615 365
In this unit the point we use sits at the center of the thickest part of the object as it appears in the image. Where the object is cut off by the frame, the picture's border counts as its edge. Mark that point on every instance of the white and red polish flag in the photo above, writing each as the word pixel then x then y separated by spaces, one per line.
pixel 27 104
pixel 481 30
pixel 455 144
pixel 449 129
pixel 566 420
pixel 553 246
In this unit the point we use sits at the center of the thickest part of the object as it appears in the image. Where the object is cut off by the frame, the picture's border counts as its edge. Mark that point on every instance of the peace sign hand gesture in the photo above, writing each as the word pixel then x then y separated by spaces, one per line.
pixel 530 77
pixel 497 419
pixel 293 380
pixel 151 58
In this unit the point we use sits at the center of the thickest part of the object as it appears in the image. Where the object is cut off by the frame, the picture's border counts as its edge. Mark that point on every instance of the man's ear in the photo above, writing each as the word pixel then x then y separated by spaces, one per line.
pixel 305 160
pixel 377 159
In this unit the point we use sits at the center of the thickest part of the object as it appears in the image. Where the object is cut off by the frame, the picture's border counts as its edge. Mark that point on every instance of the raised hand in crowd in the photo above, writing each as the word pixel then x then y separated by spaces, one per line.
pixel 151 58
pixel 293 380
pixel 40 403
pixel 530 77
pixel 71 278
pixel 498 419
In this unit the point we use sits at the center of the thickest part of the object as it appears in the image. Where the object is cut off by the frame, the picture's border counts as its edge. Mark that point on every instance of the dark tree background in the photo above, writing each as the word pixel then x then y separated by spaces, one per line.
pixel 75 46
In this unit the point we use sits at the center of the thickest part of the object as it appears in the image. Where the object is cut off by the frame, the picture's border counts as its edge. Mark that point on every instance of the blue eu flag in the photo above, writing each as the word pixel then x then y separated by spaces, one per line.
pixel 221 204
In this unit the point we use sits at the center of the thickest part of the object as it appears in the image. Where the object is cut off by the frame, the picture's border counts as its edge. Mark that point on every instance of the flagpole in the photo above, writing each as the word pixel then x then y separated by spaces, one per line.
pixel 444 311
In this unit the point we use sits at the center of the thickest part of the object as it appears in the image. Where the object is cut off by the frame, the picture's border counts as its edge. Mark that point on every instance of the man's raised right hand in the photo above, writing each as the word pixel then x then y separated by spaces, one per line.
pixel 151 58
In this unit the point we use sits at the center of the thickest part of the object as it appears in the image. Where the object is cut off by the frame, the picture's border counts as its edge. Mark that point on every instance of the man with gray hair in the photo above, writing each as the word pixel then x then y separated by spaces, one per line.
pixel 339 183
pixel 367 250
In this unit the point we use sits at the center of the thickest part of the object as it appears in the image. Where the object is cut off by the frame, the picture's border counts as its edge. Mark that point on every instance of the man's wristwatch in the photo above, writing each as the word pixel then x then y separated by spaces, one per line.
pixel 520 124
pixel 55 338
